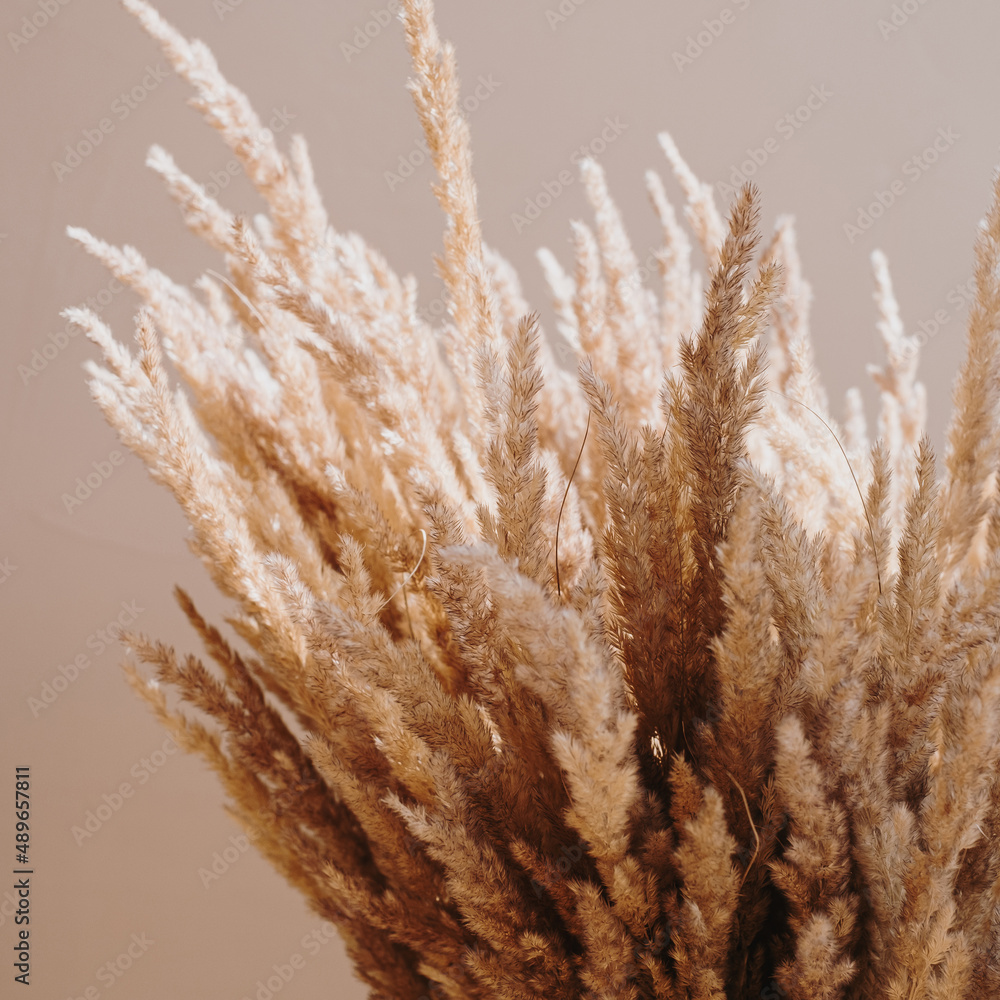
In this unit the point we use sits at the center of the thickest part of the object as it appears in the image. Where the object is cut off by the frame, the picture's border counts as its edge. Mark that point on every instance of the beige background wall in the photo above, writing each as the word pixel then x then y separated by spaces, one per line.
pixel 555 79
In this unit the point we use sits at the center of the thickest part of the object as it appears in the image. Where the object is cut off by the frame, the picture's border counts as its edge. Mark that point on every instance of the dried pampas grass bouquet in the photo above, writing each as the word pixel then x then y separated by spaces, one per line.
pixel 641 677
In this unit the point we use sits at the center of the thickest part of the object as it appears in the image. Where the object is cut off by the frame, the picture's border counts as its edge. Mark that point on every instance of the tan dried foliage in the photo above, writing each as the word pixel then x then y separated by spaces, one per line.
pixel 626 682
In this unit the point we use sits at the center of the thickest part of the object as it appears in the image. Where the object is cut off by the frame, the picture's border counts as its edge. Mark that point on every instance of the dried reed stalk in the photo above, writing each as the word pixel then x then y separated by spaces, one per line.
pixel 563 685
